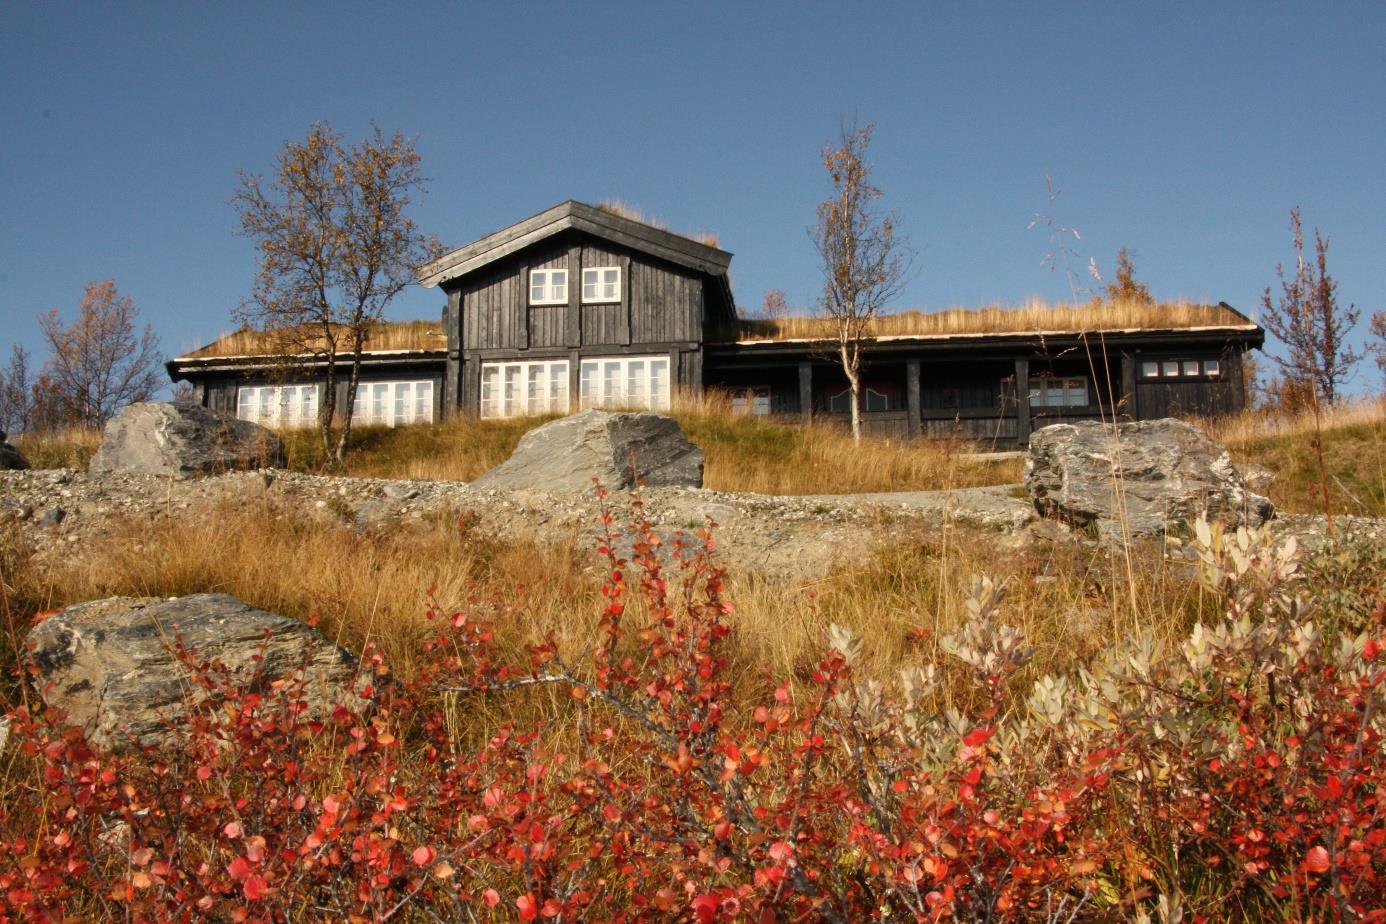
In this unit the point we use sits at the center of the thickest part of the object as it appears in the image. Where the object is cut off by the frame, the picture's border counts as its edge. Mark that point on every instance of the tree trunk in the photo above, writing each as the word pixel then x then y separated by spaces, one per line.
pixel 329 406
pixel 353 382
pixel 850 366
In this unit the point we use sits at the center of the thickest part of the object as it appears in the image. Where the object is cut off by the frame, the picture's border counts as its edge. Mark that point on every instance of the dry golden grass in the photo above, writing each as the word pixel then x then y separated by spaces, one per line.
pixel 741 453
pixel 1260 424
pixel 366 586
pixel 767 456
pixel 71 447
pixel 385 336
pixel 1030 318
pixel 1354 456
pixel 623 209
pixel 458 449
pixel 374 586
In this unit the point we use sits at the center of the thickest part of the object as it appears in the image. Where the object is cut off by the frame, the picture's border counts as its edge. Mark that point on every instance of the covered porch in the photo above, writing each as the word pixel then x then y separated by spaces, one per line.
pixel 912 397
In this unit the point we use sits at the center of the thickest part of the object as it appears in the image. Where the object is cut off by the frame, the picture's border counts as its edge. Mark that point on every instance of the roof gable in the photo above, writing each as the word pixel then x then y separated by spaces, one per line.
pixel 578 216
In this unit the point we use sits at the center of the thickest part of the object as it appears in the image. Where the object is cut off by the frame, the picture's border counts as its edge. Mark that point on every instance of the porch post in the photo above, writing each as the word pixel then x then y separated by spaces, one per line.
pixel 1127 399
pixel 806 392
pixel 1022 401
pixel 912 399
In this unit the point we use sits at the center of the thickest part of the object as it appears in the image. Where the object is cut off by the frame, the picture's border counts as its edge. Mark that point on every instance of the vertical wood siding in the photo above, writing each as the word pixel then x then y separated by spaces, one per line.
pixel 660 303
pixel 548 326
pixel 665 302
pixel 601 325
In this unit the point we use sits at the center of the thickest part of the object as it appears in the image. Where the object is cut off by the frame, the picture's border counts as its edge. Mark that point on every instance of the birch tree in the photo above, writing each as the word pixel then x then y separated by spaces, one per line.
pixel 864 261
pixel 336 244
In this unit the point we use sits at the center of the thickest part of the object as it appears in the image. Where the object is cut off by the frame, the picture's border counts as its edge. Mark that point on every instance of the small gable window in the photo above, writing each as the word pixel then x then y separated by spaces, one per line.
pixel 548 287
pixel 601 284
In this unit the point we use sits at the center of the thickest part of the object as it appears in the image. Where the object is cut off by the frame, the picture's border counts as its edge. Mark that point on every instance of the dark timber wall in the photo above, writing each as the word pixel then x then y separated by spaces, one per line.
pixel 659 312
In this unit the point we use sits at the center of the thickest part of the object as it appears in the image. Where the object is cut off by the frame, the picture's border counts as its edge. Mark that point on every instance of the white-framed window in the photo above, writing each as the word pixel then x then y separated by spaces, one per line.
pixel 871 400
pixel 393 403
pixel 754 401
pixel 520 389
pixel 1180 368
pixel 1047 391
pixel 278 405
pixel 626 381
pixel 601 284
pixel 548 287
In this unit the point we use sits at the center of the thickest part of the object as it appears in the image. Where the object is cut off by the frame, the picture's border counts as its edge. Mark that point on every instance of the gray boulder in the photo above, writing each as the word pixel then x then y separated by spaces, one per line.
pixel 10 457
pixel 110 664
pixel 152 438
pixel 567 454
pixel 1153 475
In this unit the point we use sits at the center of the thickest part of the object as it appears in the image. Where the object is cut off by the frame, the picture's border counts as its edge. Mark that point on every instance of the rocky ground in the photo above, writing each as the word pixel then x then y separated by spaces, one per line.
pixel 61 508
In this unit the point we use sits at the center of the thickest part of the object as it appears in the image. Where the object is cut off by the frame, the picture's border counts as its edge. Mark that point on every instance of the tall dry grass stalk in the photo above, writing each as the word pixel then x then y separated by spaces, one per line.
pixel 1034 317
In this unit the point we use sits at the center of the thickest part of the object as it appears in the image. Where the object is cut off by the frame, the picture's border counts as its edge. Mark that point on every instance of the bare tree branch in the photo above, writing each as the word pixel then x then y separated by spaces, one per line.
pixel 336 245
pixel 99 364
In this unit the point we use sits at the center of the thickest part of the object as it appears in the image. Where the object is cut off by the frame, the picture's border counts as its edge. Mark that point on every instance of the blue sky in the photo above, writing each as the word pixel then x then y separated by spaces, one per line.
pixel 1185 131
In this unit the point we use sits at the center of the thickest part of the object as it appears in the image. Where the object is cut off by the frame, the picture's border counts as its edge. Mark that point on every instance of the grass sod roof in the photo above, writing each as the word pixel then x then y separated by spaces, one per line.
pixel 385 337
pixel 1049 320
pixel 1034 318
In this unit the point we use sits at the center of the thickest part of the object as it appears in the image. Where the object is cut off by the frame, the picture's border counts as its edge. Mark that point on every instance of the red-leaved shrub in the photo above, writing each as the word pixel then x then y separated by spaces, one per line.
pixel 1243 773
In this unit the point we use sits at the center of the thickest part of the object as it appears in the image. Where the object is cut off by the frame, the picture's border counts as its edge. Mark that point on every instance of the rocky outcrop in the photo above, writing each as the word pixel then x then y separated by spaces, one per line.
pixel 10 457
pixel 152 438
pixel 1140 478
pixel 614 448
pixel 111 664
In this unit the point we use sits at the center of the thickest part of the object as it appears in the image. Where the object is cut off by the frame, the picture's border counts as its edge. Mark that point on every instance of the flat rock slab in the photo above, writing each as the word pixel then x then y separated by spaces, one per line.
pixel 1141 478
pixel 111 664
pixel 155 438
pixel 614 448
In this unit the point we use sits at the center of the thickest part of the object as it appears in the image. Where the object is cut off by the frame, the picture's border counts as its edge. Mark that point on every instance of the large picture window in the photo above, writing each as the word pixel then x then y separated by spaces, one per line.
pixel 393 404
pixel 1047 391
pixel 626 381
pixel 278 405
pixel 548 287
pixel 520 389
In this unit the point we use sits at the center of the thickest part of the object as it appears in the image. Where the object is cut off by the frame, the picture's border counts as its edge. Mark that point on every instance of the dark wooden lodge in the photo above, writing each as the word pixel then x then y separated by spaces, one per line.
pixel 578 307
